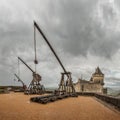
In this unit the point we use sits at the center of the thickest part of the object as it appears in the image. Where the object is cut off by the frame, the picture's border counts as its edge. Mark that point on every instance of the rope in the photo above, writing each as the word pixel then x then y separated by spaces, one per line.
pixel 35 68
pixel 35 61
pixel 18 68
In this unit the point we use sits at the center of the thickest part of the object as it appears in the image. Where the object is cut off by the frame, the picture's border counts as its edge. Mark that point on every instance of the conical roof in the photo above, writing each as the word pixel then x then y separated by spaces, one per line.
pixel 98 71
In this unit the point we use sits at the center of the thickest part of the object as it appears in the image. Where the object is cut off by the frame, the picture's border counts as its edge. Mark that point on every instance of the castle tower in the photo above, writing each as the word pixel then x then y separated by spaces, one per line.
pixel 98 76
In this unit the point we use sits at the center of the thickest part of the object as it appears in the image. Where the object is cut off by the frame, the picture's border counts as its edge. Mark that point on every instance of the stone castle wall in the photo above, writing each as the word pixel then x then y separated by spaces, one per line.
pixel 95 84
pixel 88 87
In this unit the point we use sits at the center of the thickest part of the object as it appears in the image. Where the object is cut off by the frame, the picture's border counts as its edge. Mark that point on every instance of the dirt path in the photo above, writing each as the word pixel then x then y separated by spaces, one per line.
pixel 16 106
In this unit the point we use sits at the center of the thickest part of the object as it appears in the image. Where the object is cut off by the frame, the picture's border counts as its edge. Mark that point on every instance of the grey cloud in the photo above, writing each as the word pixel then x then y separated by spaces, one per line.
pixel 71 29
pixel 78 31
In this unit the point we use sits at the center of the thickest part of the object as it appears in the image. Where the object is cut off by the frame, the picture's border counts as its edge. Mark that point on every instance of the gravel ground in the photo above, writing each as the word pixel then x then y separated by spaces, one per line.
pixel 16 106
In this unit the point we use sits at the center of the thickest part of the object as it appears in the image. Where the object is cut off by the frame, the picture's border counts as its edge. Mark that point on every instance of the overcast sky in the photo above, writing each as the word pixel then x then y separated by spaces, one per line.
pixel 84 33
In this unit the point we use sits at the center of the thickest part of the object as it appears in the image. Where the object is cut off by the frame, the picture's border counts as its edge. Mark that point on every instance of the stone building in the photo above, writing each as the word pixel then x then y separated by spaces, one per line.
pixel 95 84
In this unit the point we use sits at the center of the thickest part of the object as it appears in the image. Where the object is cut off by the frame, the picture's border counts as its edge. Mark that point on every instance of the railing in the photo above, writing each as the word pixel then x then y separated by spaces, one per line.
pixel 111 100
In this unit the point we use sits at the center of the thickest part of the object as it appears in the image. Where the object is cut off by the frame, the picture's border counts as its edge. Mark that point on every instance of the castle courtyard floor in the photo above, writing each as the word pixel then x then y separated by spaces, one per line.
pixel 16 106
